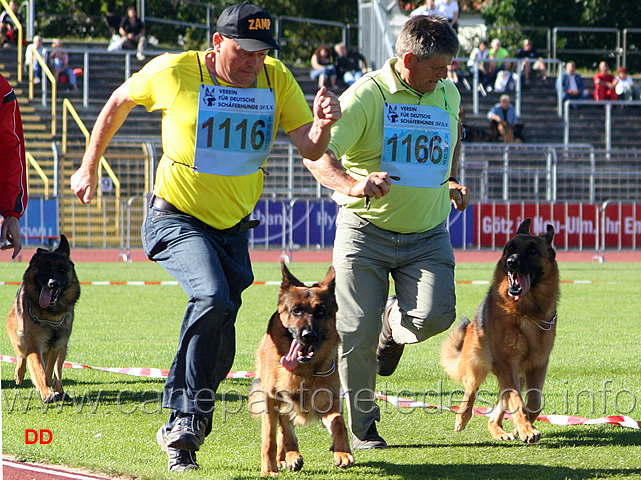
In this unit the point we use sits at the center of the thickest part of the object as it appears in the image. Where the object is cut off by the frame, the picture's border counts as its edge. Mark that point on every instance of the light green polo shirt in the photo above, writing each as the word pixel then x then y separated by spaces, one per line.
pixel 357 140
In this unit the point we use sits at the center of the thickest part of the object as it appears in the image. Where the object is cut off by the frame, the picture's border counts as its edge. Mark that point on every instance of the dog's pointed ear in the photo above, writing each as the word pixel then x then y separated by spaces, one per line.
pixel 329 281
pixel 63 246
pixel 524 228
pixel 549 234
pixel 288 278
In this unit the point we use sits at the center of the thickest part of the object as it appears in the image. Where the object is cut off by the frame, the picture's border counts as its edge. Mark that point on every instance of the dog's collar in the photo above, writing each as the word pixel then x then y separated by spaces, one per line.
pixel 327 372
pixel 547 325
pixel 46 322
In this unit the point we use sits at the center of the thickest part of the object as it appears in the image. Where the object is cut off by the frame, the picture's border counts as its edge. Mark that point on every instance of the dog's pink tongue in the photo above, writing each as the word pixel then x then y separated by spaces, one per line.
pixel 524 280
pixel 45 297
pixel 290 361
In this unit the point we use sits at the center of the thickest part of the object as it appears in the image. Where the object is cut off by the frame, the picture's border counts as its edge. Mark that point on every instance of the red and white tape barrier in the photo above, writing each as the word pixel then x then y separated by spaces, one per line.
pixel 134 371
pixel 564 420
pixel 173 283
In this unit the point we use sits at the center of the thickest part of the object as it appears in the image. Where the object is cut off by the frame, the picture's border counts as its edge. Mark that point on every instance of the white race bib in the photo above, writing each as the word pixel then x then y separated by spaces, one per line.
pixel 234 130
pixel 416 144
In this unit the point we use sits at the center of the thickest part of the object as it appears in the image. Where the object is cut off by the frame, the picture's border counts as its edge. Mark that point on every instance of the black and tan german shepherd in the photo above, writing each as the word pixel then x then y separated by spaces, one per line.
pixel 39 323
pixel 512 335
pixel 297 378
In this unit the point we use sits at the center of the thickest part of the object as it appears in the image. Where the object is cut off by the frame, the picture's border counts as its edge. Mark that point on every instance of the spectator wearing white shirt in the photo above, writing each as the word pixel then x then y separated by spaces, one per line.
pixel 624 86
pixel 449 9
pixel 39 46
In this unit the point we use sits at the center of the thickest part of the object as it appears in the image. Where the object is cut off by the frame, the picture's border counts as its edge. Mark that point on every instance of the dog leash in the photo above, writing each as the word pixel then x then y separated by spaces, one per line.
pixel 549 324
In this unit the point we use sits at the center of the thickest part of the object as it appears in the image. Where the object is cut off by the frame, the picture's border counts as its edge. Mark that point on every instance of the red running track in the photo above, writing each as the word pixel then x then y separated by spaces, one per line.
pixel 12 470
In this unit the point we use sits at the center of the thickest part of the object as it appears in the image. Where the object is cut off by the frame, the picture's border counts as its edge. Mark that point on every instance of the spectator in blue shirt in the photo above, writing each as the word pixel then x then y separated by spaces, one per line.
pixel 572 85
pixel 504 123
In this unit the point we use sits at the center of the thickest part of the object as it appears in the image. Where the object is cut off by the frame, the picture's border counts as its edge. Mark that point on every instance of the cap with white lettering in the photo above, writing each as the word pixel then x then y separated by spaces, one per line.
pixel 249 25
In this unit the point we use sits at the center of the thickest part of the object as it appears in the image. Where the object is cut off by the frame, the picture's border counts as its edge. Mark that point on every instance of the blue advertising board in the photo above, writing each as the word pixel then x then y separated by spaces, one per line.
pixel 312 223
pixel 39 224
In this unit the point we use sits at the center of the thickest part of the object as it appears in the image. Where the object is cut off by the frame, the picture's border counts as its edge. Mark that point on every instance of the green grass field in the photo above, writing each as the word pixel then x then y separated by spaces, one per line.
pixel 111 424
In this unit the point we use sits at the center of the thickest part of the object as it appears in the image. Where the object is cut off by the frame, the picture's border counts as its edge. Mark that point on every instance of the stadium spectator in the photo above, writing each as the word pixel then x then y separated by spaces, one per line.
pixel 625 87
pixel 132 33
pixel 350 64
pixel 323 68
pixel 571 84
pixel 427 8
pixel 497 53
pixel 478 61
pixel 206 187
pixel 528 51
pixel 39 46
pixel 604 84
pixel 398 230
pixel 449 9
pixel 454 72
pixel 8 29
pixel 504 124
pixel 13 168
pixel 60 61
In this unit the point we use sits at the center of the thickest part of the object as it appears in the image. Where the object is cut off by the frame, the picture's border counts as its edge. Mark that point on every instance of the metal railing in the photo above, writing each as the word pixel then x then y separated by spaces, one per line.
pixel 295 212
pixel 44 68
pixel 605 52
pixel 45 180
pixel 20 40
pixel 376 40
pixel 67 106
pixel 606 104
pixel 278 30
pixel 86 72
pixel 554 65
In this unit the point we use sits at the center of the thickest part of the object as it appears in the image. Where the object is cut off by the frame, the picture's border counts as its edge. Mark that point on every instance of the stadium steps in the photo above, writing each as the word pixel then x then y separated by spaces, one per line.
pixel 36 130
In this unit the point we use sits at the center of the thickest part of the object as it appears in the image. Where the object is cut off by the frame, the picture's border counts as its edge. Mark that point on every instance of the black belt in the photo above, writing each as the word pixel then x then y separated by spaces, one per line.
pixel 242 226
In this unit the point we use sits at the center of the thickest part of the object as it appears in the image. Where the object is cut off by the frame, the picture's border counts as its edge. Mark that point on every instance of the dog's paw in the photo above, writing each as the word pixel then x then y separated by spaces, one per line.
pixel 293 461
pixel 53 397
pixel 343 459
pixel 461 422
pixel 528 435
pixel 499 434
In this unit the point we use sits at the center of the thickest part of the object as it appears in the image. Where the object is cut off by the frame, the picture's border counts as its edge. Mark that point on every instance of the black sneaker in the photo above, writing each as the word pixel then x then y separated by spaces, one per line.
pixel 388 352
pixel 372 440
pixel 178 460
pixel 188 433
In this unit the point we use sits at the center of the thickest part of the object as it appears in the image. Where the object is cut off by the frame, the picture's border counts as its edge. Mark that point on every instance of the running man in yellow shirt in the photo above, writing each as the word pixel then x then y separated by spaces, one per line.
pixel 221 109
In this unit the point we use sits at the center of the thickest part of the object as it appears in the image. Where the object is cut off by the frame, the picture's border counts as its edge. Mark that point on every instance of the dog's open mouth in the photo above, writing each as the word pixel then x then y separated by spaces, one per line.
pixel 48 296
pixel 298 353
pixel 519 284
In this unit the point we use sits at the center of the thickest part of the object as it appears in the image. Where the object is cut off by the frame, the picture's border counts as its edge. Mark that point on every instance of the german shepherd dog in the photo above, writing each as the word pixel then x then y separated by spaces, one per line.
pixel 297 380
pixel 511 336
pixel 39 323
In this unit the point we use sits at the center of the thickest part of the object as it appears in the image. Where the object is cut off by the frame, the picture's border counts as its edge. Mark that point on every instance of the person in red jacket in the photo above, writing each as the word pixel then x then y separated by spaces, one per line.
pixel 604 84
pixel 13 169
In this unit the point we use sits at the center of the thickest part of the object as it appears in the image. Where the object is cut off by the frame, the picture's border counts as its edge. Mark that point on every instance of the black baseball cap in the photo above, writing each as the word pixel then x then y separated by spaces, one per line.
pixel 249 25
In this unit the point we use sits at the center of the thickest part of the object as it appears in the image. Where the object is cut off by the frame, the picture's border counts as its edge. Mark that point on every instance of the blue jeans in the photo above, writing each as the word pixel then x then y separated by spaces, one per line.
pixel 213 270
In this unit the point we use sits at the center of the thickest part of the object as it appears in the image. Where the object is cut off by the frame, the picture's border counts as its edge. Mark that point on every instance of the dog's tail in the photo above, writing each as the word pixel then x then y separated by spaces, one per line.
pixel 451 349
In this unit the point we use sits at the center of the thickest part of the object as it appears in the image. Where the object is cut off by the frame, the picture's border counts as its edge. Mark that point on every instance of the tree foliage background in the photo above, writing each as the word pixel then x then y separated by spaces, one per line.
pixel 584 14
pixel 85 19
